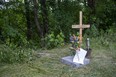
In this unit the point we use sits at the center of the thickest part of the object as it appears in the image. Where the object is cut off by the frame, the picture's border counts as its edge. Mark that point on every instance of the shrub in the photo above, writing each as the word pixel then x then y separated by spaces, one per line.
pixel 11 55
pixel 54 41
pixel 93 31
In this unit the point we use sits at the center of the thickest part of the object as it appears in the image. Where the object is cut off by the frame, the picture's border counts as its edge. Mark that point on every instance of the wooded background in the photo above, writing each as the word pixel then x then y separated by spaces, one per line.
pixel 47 23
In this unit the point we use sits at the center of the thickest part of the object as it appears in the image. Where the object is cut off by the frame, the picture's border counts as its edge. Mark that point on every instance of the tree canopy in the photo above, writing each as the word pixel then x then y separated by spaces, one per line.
pixel 49 21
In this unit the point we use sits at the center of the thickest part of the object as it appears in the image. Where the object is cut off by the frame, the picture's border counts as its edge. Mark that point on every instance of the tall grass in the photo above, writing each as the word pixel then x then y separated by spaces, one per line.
pixel 12 55
pixel 98 40
pixel 102 64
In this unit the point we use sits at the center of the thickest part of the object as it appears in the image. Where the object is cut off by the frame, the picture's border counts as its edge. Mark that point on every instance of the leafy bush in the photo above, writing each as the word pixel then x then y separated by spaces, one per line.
pixel 93 31
pixel 54 41
pixel 10 55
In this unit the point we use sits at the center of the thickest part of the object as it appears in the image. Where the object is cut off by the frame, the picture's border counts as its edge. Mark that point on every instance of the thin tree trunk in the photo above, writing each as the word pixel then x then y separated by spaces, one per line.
pixel 1 35
pixel 45 16
pixel 91 4
pixel 29 32
pixel 37 19
pixel 59 2
pixel 85 3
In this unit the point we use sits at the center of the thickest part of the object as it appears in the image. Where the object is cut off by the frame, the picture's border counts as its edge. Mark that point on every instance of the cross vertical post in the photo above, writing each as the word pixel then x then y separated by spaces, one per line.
pixel 80 38
pixel 81 27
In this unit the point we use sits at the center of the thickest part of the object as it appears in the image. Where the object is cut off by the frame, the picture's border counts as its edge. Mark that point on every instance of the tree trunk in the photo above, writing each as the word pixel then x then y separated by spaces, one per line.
pixel 85 3
pixel 91 4
pixel 44 16
pixel 37 19
pixel 29 32
pixel 59 2
pixel 1 35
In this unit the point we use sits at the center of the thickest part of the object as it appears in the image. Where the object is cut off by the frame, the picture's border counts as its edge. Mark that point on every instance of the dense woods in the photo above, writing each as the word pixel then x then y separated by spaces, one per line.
pixel 47 23
pixel 25 20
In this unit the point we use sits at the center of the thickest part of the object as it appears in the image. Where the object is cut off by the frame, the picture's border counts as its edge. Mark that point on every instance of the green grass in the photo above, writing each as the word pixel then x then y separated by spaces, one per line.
pixel 47 64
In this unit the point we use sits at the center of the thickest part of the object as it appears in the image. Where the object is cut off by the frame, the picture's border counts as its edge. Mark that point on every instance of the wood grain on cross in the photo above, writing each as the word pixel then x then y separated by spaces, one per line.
pixel 81 27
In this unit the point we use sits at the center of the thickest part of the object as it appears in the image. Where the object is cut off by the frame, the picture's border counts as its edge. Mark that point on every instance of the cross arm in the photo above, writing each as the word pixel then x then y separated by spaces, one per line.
pixel 80 26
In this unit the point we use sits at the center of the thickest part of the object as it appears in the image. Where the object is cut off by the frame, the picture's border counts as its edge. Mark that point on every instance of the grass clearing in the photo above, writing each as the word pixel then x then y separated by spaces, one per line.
pixel 47 64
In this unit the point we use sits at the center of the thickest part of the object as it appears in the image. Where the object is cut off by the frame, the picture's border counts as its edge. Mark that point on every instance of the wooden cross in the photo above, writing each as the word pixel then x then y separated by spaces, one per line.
pixel 80 26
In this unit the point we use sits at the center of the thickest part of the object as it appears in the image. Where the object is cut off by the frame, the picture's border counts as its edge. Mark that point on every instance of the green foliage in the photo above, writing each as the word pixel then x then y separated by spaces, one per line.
pixel 92 32
pixel 102 64
pixel 54 41
pixel 61 15
pixel 12 55
pixel 105 38
pixel 105 13
pixel 12 22
pixel 108 37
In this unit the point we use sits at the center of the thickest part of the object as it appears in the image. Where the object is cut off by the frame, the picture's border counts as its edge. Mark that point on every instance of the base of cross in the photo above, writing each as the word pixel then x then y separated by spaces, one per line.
pixel 72 48
pixel 68 60
pixel 78 60
pixel 88 54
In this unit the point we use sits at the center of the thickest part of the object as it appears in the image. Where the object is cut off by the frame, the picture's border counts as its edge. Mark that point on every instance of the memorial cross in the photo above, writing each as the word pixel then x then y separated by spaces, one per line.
pixel 80 26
